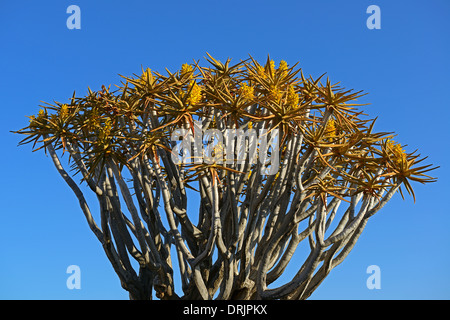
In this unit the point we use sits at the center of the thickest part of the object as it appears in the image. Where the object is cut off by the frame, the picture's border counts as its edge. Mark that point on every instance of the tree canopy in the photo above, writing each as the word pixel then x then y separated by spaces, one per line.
pixel 321 176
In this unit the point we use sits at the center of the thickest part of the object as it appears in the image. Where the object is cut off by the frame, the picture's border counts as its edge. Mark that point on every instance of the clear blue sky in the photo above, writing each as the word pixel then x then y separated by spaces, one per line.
pixel 404 67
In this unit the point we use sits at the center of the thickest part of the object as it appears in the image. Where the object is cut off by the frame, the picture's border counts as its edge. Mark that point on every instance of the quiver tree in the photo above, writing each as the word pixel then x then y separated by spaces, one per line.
pixel 317 182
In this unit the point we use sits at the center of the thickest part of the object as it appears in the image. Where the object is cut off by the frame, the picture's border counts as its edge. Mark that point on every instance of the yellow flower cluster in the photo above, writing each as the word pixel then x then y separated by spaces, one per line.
pixel 272 66
pixel 64 111
pixel 330 129
pixel 105 131
pixel 275 93
pixel 261 71
pixel 40 117
pixel 292 97
pixel 247 92
pixel 186 69
pixel 398 152
pixel 264 72
pixel 93 120
pixel 283 68
pixel 195 96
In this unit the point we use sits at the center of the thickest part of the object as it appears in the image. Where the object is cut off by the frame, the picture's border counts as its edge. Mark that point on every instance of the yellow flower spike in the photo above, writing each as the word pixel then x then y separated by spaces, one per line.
pixel 195 95
pixel 41 113
pixel 275 94
pixel 261 72
pixel 186 69
pixel 105 131
pixel 292 97
pixel 330 129
pixel 64 111
pixel 283 67
pixel 247 92
pixel 272 66
pixel 107 127
pixel 397 151
pixel 400 155
pixel 250 125
pixel 93 120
